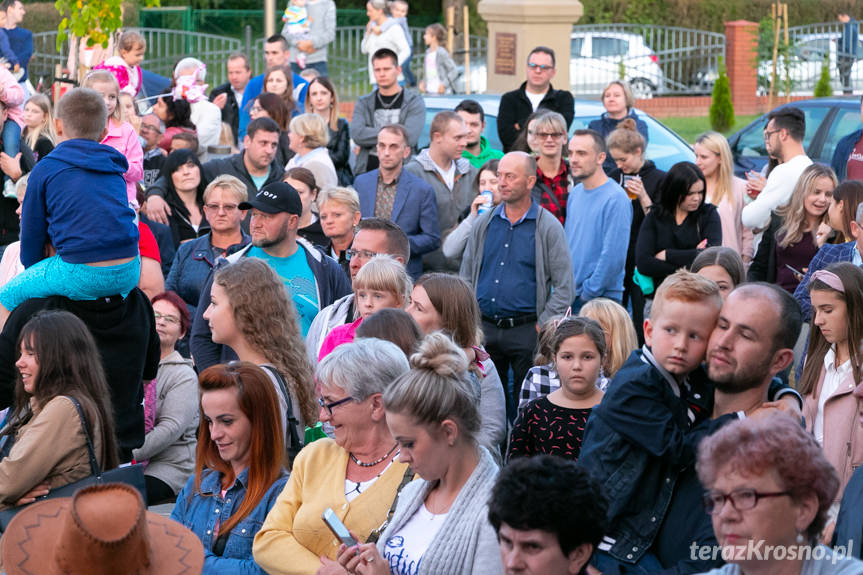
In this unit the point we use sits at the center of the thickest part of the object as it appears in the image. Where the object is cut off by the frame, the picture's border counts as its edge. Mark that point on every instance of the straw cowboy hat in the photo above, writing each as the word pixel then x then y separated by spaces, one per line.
pixel 102 530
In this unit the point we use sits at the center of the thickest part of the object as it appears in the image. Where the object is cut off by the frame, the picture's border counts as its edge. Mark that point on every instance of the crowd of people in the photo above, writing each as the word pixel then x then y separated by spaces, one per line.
pixel 332 353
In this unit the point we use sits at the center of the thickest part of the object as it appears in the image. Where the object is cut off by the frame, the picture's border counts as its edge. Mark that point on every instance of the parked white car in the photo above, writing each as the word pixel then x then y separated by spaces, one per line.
pixel 808 55
pixel 599 57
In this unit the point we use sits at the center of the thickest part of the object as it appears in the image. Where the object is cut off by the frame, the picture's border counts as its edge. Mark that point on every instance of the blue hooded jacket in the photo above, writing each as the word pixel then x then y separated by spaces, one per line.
pixel 76 199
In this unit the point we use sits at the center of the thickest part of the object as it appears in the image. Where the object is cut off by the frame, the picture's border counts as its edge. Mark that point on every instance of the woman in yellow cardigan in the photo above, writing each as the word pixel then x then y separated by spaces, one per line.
pixel 357 474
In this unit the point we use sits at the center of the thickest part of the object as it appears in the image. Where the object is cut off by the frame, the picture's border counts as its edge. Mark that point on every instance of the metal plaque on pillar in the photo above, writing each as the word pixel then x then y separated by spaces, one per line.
pixel 504 53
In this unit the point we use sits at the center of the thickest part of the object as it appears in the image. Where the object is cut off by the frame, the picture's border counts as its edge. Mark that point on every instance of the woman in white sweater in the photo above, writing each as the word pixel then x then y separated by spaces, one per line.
pixel 378 35
pixel 441 521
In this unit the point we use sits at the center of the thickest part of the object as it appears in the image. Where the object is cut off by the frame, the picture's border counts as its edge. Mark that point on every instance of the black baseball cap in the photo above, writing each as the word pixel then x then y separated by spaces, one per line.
pixel 274 198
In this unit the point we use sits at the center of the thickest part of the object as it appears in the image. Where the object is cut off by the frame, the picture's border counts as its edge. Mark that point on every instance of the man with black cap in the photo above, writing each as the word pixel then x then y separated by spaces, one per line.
pixel 313 279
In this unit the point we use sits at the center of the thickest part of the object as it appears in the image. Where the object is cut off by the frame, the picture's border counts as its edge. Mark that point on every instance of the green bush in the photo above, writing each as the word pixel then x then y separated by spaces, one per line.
pixel 823 89
pixel 721 109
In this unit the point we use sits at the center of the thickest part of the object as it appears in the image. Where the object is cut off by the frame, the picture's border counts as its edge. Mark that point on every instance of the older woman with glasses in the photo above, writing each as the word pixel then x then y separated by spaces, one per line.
pixel 769 487
pixel 357 474
pixel 551 190
pixel 195 260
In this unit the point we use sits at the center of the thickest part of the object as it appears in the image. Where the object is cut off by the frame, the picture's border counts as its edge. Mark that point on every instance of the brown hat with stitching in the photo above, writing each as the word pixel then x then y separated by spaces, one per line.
pixel 102 530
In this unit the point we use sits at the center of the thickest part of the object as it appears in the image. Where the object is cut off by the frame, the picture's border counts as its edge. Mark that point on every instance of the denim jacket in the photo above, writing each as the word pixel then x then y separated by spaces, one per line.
pixel 192 266
pixel 636 442
pixel 200 511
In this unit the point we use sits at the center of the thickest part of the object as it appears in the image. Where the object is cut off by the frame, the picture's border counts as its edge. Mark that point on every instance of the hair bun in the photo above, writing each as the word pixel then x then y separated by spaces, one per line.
pixel 439 354
pixel 627 124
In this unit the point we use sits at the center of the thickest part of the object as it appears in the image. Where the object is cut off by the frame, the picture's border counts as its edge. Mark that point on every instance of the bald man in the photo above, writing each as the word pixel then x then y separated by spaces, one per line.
pixel 517 262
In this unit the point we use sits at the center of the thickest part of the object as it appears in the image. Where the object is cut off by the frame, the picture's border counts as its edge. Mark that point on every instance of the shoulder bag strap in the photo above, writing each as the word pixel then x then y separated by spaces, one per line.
pixel 376 534
pixel 548 192
pixel 95 468
pixel 292 421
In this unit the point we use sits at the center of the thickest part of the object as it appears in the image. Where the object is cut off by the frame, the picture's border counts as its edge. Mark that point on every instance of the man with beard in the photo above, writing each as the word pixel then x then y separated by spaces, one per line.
pixel 313 279
pixel 751 343
pixel 477 151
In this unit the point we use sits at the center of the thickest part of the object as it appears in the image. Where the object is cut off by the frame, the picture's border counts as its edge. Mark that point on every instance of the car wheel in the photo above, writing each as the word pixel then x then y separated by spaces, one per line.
pixel 642 89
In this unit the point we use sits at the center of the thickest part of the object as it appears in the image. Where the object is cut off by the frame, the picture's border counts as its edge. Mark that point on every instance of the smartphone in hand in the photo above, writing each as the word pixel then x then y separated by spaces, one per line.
pixel 338 528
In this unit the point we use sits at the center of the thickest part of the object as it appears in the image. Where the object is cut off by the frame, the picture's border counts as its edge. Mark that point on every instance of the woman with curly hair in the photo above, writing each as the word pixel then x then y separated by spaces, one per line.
pixel 250 312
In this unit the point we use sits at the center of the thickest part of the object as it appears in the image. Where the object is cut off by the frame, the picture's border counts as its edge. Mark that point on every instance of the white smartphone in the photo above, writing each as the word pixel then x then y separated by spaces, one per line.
pixel 338 528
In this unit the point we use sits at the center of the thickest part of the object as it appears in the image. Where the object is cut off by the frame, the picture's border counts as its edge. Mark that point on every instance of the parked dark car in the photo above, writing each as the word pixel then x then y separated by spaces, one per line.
pixel 827 121
pixel 664 147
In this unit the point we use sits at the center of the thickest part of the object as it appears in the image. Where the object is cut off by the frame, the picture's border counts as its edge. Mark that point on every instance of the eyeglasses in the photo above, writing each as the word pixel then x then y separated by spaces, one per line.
pixel 546 135
pixel 361 254
pixel 256 108
pixel 540 67
pixel 329 406
pixel 149 128
pixel 768 133
pixel 741 499
pixel 228 208
pixel 167 318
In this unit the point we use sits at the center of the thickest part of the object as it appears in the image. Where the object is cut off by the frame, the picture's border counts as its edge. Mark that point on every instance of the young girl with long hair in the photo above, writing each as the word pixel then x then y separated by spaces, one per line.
pixel 722 265
pixel 443 302
pixel 833 366
pixel 44 443
pixel 250 312
pixel 279 80
pixel 39 125
pixel 725 191
pixel 555 423
pixel 121 135
pixel 238 466
pixel 793 239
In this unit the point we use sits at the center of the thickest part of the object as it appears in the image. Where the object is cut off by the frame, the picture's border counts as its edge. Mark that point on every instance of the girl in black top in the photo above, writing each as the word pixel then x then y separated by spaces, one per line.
pixel 321 99
pixel 39 128
pixel 678 226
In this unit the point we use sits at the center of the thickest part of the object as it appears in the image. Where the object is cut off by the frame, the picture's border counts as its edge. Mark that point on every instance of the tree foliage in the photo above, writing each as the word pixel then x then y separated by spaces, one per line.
pixel 721 108
pixel 824 89
pixel 96 19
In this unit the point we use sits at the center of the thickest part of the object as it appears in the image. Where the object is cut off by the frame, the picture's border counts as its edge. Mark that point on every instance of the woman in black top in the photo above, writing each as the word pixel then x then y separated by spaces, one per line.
pixel 641 179
pixel 678 226
pixel 271 106
pixel 321 99
pixel 184 193
pixel 39 126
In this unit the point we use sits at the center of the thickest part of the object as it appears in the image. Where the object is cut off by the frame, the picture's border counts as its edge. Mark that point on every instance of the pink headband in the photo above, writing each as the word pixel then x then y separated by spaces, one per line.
pixel 829 278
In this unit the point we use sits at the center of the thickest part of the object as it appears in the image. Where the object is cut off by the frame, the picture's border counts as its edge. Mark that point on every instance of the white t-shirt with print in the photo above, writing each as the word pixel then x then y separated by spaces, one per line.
pixel 404 550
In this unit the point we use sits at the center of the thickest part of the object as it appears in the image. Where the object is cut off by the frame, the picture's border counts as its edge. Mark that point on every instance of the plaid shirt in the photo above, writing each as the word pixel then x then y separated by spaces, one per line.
pixel 559 186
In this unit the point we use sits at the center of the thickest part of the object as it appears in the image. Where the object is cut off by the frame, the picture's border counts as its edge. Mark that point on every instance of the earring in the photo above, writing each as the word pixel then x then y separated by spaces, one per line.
pixel 800 538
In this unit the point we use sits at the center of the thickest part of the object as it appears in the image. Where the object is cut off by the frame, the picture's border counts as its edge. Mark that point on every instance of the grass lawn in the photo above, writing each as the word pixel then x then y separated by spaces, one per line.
pixel 691 128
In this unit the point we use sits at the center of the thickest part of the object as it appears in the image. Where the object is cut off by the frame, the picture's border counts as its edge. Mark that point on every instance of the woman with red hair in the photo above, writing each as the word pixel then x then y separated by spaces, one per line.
pixel 238 465
pixel 170 414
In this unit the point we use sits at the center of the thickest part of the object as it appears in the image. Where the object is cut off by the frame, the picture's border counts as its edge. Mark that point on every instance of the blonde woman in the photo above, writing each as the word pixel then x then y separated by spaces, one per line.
pixel 39 126
pixel 725 191
pixel 618 101
pixel 793 238
pixel 339 211
pixel 309 136
pixel 620 339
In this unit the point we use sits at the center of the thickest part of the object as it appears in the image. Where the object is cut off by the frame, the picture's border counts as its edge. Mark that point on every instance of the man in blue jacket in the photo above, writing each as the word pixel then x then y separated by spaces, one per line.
pixel 394 194
pixel 276 212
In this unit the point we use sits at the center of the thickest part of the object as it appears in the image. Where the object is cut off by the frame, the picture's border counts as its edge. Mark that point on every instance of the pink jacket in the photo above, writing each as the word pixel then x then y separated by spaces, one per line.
pixel 340 334
pixel 123 138
pixel 734 234
pixel 13 96
pixel 843 434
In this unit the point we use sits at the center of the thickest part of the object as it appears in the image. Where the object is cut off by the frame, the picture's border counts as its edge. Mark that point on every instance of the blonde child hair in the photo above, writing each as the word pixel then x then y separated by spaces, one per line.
pixel 618 329
pixel 687 287
pixel 94 77
pixel 545 341
pixel 384 273
pixel 46 129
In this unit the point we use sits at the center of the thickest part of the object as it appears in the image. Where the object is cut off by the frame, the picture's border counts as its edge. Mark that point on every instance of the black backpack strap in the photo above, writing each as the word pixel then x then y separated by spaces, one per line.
pixel 376 534
pixel 291 432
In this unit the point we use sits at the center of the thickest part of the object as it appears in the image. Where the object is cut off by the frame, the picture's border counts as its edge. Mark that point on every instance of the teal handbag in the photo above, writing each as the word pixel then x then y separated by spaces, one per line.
pixel 645 283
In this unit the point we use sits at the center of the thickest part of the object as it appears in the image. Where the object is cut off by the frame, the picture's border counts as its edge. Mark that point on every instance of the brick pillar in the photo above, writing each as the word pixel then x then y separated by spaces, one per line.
pixel 741 60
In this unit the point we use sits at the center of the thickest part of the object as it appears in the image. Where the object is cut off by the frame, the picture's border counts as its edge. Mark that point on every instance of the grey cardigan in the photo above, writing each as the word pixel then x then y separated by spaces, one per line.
pixel 466 543
pixel 555 285
pixel 322 30
pixel 447 72
pixel 170 445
